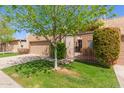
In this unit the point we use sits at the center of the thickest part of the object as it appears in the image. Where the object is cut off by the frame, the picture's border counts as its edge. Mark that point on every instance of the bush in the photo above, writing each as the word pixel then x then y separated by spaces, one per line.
pixel 106 43
pixel 61 50
pixel 23 50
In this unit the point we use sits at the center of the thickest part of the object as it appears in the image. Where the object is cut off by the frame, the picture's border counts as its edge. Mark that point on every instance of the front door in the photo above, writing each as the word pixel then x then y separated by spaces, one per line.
pixel 78 46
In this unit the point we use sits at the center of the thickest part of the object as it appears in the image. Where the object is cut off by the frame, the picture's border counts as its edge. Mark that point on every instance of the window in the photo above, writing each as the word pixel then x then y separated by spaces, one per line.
pixel 90 43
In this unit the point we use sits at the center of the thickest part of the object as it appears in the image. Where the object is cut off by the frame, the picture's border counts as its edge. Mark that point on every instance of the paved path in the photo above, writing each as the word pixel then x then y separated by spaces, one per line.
pixel 119 71
pixel 5 80
pixel 119 67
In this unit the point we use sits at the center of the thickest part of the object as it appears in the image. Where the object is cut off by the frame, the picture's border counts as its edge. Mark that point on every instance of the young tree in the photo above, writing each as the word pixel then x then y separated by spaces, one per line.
pixel 6 35
pixel 55 21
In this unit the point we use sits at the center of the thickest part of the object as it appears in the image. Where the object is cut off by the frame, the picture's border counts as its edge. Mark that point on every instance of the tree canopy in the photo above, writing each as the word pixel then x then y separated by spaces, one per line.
pixel 53 21
pixel 6 33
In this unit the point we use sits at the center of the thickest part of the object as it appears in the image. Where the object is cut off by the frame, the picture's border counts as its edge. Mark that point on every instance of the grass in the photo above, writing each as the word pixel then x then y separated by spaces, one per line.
pixel 39 74
pixel 7 54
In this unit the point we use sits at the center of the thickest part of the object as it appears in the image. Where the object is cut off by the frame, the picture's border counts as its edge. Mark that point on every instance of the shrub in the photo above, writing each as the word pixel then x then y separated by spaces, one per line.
pixel 106 43
pixel 61 50
pixel 23 50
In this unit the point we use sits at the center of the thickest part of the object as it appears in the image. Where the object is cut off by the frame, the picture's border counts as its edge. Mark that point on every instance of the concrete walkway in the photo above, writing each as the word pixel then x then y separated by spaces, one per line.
pixel 119 67
pixel 119 71
pixel 5 80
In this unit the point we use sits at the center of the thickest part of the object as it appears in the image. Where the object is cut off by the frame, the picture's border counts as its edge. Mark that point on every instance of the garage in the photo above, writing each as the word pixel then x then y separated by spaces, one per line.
pixel 40 47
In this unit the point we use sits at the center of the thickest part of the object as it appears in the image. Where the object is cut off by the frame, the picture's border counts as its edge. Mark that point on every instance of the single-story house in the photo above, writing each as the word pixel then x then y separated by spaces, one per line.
pixel 13 45
pixel 79 46
pixel 39 45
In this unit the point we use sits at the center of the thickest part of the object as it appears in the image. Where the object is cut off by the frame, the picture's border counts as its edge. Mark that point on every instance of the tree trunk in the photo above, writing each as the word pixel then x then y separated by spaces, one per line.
pixel 55 54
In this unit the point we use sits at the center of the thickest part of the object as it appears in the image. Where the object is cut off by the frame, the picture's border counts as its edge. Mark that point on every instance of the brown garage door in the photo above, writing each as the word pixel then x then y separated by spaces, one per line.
pixel 41 48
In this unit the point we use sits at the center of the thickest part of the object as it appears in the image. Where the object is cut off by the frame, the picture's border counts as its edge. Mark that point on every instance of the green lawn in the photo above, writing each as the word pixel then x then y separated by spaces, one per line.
pixel 39 74
pixel 7 54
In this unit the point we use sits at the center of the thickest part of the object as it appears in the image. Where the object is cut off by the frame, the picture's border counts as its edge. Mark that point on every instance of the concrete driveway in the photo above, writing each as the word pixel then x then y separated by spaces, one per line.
pixel 15 60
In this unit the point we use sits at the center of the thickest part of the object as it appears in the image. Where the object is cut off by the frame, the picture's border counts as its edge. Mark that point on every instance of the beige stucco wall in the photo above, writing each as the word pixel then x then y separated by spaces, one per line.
pixel 33 38
pixel 115 22
pixel 24 43
pixel 14 45
pixel 69 41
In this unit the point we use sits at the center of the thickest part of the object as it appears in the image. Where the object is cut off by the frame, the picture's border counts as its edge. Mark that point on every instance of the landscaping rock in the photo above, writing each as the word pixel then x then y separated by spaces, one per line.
pixel 65 61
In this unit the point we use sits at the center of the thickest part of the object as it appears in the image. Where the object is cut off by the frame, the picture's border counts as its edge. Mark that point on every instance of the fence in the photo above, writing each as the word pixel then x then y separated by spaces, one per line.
pixel 86 54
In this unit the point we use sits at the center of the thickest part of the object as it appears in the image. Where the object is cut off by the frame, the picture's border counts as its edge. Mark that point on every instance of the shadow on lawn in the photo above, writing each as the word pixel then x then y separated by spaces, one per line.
pixel 95 63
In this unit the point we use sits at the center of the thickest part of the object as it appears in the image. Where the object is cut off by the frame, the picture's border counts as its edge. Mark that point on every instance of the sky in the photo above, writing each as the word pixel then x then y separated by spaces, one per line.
pixel 119 10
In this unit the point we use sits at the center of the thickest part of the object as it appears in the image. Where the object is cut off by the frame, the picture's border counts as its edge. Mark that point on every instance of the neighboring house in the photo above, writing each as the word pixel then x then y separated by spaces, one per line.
pixel 13 45
pixel 79 46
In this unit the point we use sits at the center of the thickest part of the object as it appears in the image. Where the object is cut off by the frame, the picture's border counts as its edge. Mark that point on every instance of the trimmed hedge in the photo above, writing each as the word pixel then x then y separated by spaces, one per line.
pixel 106 43
pixel 61 50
